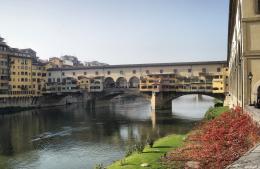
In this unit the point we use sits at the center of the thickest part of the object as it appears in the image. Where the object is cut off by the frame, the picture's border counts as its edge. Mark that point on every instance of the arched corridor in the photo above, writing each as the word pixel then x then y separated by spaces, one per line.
pixel 109 83
pixel 121 82
pixel 134 82
pixel 258 97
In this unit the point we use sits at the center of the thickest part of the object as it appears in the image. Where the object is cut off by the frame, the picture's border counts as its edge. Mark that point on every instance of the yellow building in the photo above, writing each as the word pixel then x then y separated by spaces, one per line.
pixel 220 82
pixel 84 83
pixel 20 75
pixel 158 82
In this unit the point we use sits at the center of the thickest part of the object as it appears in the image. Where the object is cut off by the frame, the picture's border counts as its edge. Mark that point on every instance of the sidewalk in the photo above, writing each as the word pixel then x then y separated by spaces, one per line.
pixel 254 113
pixel 251 160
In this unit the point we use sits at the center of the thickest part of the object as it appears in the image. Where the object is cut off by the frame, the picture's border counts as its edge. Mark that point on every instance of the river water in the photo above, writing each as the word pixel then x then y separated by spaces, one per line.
pixel 79 136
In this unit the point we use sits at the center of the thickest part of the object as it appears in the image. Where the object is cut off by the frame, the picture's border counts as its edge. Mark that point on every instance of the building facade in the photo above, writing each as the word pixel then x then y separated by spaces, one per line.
pixel 20 76
pixel 129 76
pixel 21 73
pixel 244 52
pixel 4 70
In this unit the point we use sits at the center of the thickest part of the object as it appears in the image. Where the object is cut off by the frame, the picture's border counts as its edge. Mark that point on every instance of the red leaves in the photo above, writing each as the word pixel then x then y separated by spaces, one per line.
pixel 219 142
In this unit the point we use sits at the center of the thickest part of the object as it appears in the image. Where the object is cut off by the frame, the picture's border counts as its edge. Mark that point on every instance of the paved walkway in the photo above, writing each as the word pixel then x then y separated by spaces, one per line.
pixel 250 160
pixel 254 113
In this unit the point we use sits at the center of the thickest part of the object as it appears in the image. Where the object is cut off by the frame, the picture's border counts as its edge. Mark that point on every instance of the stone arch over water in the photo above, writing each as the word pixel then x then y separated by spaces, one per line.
pixel 134 82
pixel 109 82
pixel 121 82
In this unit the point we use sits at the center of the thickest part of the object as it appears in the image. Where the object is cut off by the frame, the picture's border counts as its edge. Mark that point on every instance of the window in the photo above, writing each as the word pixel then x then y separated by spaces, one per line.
pixel 147 71
pixel 85 73
pixel 96 72
pixel 189 70
pixel 73 73
pixel 204 70
pixel 161 71
pixel 218 69
pixel 175 70
pixel 258 6
pixel 63 73
pixel 108 72
pixel 49 74
pixel 121 72
pixel 134 71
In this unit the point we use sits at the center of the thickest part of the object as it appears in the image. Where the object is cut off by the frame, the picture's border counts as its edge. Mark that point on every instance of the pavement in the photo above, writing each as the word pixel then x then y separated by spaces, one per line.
pixel 251 160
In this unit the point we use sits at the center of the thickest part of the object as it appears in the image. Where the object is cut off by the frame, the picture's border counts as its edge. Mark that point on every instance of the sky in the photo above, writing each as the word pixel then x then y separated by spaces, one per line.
pixel 118 31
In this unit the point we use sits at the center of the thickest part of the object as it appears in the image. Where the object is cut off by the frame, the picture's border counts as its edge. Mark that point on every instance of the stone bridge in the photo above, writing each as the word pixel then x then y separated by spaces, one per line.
pixel 159 100
pixel 128 76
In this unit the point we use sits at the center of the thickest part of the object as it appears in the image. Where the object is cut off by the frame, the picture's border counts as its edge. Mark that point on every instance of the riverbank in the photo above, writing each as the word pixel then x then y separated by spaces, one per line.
pixel 150 156
pixel 217 143
pixel 13 105
pixel 221 138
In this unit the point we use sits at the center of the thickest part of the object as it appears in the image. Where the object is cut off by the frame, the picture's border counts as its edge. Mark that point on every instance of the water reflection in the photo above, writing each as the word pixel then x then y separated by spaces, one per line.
pixel 191 106
pixel 81 135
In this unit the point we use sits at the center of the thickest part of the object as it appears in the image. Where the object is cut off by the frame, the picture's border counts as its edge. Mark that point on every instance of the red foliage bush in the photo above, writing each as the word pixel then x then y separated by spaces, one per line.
pixel 219 142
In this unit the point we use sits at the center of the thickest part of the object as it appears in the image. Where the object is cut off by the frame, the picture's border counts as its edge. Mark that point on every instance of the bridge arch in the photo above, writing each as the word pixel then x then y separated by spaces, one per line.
pixel 121 82
pixel 134 82
pixel 109 82
pixel 219 96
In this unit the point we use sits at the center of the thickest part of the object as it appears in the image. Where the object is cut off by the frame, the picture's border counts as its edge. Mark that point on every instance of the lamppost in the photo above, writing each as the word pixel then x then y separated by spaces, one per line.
pixel 250 77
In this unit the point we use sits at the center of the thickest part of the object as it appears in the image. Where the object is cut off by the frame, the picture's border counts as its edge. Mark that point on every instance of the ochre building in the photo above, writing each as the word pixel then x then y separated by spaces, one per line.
pixel 244 52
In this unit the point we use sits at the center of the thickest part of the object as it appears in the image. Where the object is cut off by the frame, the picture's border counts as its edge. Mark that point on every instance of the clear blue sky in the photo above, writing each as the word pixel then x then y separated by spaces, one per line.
pixel 118 31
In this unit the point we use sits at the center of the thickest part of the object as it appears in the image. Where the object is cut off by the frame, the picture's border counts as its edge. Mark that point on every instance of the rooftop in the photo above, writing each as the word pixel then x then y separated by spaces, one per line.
pixel 142 65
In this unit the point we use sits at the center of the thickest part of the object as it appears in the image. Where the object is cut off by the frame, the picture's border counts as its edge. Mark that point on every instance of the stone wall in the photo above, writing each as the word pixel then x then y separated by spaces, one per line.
pixel 44 101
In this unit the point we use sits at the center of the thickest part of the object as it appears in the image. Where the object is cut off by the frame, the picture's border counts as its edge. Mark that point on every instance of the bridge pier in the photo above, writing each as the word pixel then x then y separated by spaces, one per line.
pixel 161 101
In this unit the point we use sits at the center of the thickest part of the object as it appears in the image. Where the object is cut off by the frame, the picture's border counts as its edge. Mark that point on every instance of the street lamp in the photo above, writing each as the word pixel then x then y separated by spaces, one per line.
pixel 250 77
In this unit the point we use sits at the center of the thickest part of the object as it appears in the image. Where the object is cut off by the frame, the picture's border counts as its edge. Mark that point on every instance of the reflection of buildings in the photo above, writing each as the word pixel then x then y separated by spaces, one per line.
pixel 244 51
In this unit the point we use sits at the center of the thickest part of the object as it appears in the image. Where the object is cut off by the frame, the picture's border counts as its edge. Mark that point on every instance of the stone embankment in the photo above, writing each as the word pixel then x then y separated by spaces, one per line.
pixel 23 103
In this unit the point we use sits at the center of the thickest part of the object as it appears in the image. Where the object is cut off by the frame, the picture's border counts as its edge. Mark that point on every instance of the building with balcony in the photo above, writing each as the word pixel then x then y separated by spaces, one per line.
pixel 84 83
pixel 96 84
pixel 220 82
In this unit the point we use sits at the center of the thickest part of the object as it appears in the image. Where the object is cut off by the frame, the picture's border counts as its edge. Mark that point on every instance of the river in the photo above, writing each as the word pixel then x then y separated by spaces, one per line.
pixel 79 136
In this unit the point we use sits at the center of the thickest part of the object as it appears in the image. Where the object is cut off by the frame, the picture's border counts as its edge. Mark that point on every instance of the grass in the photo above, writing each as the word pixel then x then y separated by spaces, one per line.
pixel 150 155
pixel 214 112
